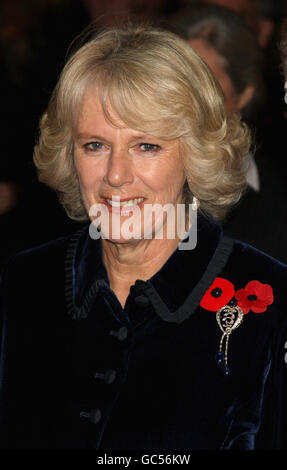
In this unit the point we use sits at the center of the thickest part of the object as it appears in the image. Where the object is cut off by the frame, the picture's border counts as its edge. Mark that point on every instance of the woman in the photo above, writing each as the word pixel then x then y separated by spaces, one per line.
pixel 126 340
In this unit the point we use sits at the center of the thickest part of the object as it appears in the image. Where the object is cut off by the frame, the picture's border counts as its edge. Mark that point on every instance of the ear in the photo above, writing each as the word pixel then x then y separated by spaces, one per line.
pixel 245 96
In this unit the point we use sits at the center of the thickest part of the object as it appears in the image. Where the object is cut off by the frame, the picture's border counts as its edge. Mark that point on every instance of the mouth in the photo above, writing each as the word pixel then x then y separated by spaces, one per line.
pixel 124 202
pixel 123 205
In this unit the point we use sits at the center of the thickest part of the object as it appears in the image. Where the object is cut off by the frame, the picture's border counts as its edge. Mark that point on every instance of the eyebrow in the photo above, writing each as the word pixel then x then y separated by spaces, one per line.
pixel 84 136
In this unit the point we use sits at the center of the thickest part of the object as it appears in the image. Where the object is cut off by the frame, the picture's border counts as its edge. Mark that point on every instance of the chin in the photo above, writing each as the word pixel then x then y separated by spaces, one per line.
pixel 122 241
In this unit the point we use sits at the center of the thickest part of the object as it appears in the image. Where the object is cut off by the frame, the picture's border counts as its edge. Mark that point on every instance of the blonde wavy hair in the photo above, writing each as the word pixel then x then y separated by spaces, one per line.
pixel 156 84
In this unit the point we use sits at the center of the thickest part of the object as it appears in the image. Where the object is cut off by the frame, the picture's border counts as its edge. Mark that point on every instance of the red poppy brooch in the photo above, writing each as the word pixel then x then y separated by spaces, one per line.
pixel 230 307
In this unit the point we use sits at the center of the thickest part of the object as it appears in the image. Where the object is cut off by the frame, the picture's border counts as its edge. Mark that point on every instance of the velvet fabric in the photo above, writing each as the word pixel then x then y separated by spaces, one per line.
pixel 114 378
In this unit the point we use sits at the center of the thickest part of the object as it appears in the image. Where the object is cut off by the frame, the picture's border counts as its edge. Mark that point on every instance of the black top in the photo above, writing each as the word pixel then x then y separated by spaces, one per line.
pixel 132 378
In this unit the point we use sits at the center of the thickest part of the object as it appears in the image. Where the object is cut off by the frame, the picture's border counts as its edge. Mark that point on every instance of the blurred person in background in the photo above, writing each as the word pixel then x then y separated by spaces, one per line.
pixel 264 18
pixel 226 43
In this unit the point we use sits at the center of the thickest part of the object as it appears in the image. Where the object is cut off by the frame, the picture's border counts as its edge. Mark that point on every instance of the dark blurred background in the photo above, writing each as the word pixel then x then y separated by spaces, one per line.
pixel 34 39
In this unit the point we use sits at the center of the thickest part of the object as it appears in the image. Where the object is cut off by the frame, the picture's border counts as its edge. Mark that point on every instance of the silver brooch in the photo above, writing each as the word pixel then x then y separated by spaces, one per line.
pixel 228 318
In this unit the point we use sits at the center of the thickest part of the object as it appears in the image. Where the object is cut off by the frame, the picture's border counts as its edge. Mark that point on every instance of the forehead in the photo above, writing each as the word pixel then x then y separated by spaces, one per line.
pixel 92 115
pixel 93 121
pixel 118 106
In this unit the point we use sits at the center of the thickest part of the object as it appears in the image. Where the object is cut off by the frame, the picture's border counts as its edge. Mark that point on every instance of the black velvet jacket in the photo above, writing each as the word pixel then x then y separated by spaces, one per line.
pixel 80 372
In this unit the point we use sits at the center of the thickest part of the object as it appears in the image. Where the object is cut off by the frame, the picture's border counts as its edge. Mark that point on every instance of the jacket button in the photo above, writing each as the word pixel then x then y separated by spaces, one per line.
pixel 94 415
pixel 141 301
pixel 121 334
pixel 108 376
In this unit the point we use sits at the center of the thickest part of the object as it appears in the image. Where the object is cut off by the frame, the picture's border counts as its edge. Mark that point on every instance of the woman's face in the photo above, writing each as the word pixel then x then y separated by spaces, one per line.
pixel 125 170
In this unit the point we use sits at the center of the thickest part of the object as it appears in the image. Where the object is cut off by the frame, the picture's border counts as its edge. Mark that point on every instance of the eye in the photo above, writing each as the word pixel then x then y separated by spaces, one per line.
pixel 93 146
pixel 149 147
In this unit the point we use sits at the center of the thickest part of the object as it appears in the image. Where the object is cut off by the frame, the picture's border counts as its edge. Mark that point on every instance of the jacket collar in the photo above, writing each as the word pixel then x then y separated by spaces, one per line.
pixel 168 288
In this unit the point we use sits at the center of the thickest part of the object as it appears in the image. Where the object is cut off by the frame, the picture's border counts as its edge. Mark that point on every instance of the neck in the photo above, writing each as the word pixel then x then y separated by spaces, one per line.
pixel 140 259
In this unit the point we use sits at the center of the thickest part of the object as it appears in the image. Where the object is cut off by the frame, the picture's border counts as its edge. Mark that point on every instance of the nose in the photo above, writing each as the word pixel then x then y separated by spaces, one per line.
pixel 119 170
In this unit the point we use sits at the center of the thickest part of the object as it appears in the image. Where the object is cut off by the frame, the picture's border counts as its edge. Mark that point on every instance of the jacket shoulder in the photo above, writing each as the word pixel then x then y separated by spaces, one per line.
pixel 40 262
pixel 258 259
pixel 248 263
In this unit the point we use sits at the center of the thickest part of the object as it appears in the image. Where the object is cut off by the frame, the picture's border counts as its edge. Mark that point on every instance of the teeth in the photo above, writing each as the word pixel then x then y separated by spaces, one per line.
pixel 130 202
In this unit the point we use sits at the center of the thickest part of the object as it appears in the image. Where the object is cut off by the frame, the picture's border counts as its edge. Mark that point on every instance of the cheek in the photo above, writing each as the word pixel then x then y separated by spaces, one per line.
pixel 174 172
pixel 80 168
pixel 170 180
pixel 88 182
pixel 87 172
